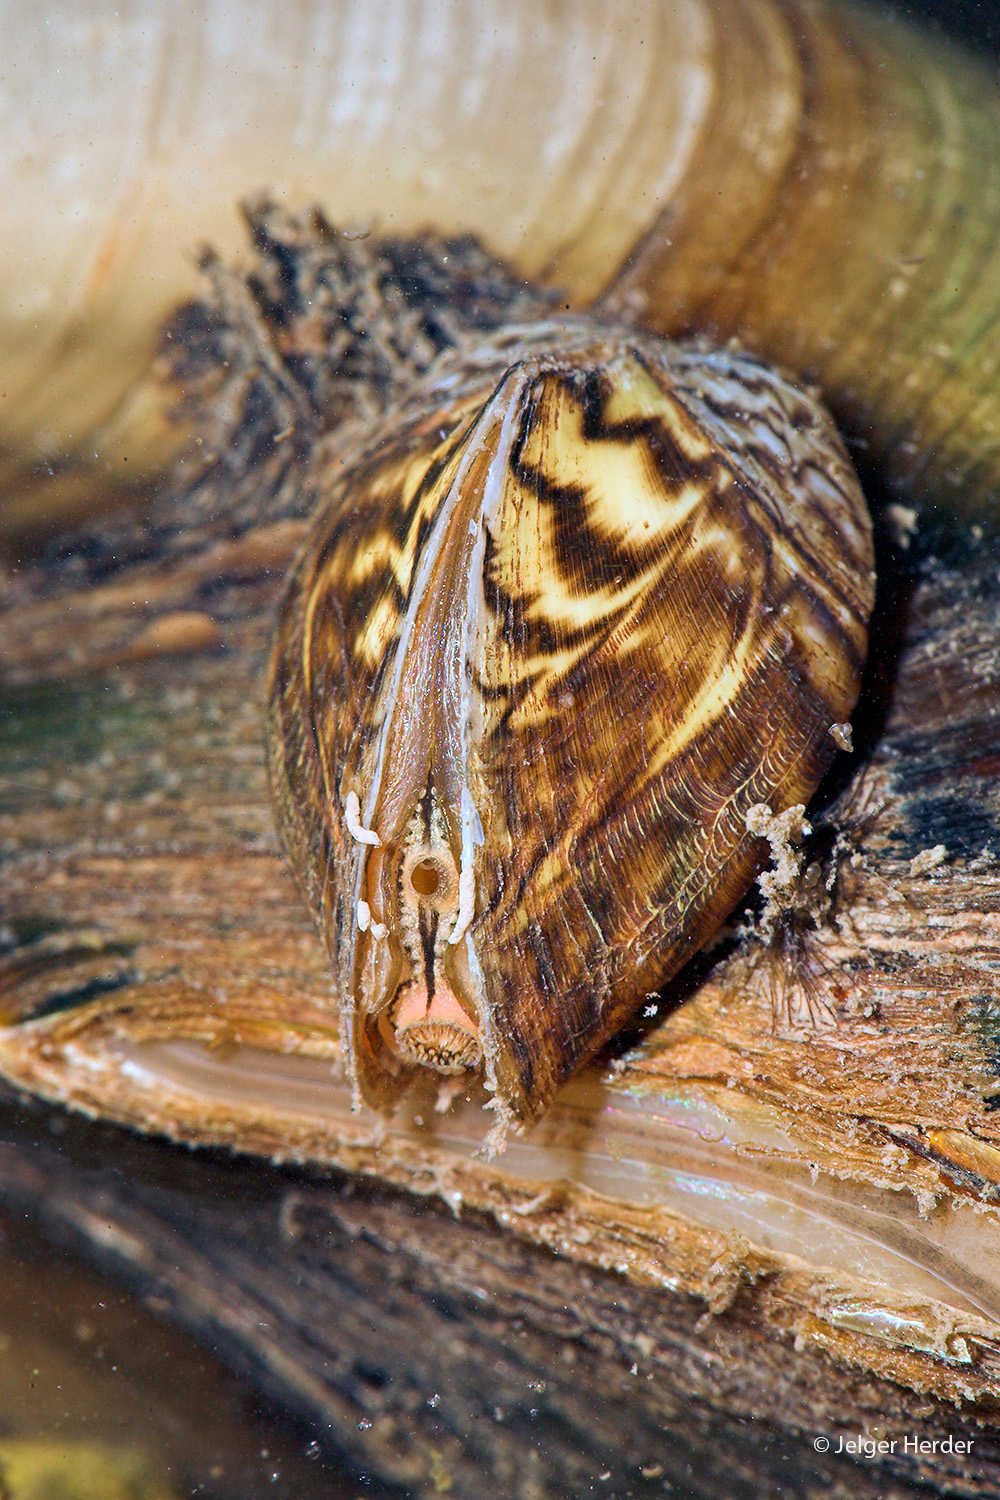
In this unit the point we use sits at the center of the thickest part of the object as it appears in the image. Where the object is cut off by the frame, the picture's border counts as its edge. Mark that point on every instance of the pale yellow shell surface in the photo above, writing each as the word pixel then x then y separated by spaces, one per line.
pixel 819 180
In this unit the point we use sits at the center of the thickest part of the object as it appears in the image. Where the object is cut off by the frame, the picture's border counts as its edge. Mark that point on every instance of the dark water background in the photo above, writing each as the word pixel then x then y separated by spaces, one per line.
pixel 975 22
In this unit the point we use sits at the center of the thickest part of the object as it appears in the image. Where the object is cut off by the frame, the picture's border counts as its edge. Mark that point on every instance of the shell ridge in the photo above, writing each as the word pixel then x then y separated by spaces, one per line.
pixel 602 638
pixel 427 564
pixel 472 820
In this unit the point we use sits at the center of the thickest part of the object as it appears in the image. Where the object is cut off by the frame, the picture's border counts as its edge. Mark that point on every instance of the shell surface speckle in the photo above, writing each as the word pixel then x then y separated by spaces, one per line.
pixel 556 630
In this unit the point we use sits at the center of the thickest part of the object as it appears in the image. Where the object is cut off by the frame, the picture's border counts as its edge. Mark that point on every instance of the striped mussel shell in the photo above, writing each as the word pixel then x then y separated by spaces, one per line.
pixel 588 599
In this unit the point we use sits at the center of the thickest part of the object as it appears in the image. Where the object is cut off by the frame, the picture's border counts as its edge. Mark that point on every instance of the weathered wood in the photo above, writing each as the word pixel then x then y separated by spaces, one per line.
pixel 777 1196
pixel 140 861
pixel 445 1356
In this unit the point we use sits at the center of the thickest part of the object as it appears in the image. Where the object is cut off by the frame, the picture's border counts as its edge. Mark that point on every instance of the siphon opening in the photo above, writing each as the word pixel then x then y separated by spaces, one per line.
pixel 425 878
